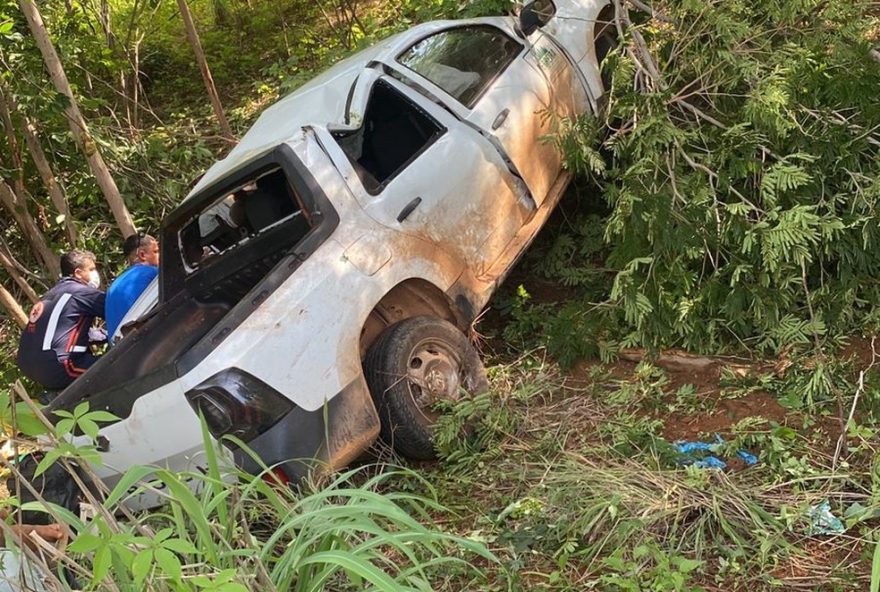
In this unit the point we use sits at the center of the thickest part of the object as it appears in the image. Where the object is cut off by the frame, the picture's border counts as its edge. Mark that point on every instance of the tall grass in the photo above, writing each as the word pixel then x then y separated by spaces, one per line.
pixel 231 531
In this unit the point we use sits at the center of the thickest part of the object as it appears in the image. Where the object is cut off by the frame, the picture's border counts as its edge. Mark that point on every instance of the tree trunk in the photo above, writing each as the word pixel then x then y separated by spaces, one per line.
pixel 13 272
pixel 105 24
pixel 196 44
pixel 18 209
pixel 56 192
pixel 75 119
pixel 16 312
pixel 14 148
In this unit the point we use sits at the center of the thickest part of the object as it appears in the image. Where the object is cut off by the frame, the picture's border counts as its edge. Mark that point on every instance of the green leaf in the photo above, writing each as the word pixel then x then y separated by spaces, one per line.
pixel 88 427
pixel 132 476
pixel 180 546
pixel 81 409
pixel 688 565
pixel 162 535
pixel 354 565
pixel 102 416
pixel 101 566
pixel 47 462
pixel 85 542
pixel 169 563
pixel 140 567
pixel 64 427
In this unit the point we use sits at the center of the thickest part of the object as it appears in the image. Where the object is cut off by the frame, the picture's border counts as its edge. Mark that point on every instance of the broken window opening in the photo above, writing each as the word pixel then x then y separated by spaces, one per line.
pixel 255 207
pixel 393 134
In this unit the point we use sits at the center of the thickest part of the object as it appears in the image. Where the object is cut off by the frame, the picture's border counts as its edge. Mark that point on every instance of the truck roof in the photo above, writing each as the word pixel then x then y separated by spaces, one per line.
pixel 321 101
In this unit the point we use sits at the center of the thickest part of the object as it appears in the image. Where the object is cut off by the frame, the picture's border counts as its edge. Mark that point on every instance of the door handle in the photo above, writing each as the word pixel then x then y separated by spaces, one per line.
pixel 500 119
pixel 408 209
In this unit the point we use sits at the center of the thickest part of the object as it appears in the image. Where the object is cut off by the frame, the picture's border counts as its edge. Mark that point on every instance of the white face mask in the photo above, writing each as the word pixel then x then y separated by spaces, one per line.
pixel 94 279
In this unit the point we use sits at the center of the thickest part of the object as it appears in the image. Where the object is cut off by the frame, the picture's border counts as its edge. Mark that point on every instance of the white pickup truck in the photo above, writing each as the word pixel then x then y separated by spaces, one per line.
pixel 317 285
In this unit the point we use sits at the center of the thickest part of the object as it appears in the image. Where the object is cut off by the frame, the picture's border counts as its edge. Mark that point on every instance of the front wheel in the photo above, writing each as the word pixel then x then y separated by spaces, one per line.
pixel 413 365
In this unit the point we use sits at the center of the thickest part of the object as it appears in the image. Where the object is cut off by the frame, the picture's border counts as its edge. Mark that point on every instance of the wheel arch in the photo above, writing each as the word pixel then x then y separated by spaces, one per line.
pixel 410 298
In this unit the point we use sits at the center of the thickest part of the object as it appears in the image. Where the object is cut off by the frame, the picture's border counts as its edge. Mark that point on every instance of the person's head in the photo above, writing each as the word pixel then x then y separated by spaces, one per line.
pixel 141 248
pixel 80 265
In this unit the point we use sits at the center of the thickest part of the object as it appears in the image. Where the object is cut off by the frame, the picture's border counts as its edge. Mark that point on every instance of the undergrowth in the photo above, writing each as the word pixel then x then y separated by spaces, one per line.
pixel 579 489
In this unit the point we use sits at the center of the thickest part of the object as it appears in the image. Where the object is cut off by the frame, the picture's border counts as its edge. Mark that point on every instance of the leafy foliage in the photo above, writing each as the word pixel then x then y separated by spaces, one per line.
pixel 741 177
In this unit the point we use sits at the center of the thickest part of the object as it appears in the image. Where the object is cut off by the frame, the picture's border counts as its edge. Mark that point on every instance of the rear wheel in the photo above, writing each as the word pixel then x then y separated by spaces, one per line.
pixel 413 365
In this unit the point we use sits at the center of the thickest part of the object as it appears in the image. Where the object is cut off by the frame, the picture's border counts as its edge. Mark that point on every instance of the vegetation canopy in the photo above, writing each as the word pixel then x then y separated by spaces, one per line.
pixel 738 157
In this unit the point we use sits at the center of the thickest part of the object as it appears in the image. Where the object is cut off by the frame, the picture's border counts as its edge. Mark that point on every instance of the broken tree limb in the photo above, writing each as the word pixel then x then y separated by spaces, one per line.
pixel 16 312
pixel 56 192
pixel 648 10
pixel 31 138
pixel 16 276
pixel 17 208
pixel 193 36
pixel 671 360
pixel 14 148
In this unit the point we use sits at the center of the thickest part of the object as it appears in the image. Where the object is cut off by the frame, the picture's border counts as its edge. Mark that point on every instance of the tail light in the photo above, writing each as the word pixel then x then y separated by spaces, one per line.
pixel 276 477
pixel 234 403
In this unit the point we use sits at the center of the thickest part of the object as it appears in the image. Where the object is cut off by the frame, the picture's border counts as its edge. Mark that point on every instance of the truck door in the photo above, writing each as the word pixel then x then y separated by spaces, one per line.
pixel 416 168
pixel 499 84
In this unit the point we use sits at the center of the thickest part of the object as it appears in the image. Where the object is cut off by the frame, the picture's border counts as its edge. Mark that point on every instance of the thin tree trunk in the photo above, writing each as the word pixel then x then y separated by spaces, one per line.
pixel 56 192
pixel 14 148
pixel 12 307
pixel 75 119
pixel 13 272
pixel 105 24
pixel 196 44
pixel 24 271
pixel 18 209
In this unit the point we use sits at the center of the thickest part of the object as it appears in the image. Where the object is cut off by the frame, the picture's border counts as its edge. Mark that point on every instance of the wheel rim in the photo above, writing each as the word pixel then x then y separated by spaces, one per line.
pixel 433 370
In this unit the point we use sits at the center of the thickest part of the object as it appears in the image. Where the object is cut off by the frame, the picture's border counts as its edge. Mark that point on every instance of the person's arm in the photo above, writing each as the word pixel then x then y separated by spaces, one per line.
pixel 48 532
pixel 92 302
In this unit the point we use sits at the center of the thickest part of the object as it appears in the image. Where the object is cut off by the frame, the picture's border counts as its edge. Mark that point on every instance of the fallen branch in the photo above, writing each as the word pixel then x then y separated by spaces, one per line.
pixel 841 440
pixel 671 360
pixel 648 10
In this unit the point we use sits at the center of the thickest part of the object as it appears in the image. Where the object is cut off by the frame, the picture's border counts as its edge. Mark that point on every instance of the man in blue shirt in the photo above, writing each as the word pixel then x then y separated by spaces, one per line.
pixel 142 252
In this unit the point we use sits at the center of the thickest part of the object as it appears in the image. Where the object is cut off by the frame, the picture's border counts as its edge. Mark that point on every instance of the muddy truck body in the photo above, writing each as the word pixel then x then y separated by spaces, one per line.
pixel 316 286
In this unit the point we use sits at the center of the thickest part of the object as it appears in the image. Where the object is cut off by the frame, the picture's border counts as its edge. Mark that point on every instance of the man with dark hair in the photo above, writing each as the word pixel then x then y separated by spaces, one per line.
pixel 53 349
pixel 142 253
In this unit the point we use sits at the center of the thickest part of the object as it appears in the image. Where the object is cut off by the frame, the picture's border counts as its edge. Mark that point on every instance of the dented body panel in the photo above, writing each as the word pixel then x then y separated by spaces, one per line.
pixel 389 232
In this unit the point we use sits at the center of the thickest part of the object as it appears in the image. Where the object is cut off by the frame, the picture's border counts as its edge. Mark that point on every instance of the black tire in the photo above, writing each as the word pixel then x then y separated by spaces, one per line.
pixel 412 365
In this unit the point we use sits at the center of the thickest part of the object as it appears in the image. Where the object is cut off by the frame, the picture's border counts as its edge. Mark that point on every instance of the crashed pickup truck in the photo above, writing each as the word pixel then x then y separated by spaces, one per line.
pixel 317 285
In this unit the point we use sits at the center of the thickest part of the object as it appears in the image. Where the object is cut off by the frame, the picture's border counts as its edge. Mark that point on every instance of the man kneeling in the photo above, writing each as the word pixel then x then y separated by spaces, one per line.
pixel 53 349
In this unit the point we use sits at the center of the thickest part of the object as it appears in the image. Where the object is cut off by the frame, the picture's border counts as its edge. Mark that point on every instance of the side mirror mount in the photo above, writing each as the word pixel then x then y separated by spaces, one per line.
pixel 529 19
pixel 535 15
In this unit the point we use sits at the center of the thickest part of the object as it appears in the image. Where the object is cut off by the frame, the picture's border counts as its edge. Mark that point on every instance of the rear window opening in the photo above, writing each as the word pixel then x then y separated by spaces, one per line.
pixel 255 207
pixel 394 132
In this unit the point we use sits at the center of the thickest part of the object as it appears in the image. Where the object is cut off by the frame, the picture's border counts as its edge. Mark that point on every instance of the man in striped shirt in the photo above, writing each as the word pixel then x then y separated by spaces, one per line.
pixel 53 349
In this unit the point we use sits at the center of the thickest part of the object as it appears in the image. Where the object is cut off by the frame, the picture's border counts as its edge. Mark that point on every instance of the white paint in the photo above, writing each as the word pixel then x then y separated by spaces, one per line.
pixel 474 220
